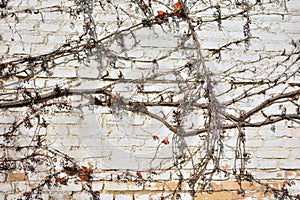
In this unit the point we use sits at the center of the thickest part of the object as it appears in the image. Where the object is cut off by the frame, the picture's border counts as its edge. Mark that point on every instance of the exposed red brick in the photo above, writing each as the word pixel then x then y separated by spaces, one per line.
pixel 17 177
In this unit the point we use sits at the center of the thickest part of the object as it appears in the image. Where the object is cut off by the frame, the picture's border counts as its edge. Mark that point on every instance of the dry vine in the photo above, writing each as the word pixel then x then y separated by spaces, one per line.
pixel 193 88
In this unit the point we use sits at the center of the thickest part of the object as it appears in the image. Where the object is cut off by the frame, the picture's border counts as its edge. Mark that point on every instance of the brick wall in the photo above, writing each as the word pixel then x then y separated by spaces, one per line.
pixel 125 149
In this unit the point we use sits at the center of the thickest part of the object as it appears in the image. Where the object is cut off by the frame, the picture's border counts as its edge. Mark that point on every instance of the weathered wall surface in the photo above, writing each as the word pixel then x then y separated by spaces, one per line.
pixel 131 152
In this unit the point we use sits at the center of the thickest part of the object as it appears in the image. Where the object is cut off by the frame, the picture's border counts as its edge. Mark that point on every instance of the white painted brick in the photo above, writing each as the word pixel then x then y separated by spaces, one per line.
pixel 85 131
pixel 134 144
pixel 63 119
pixel 88 72
pixel 2 177
pixel 283 132
pixel 79 153
pixel 92 119
pixel 217 35
pixel 248 57
pixel 57 130
pixel 158 87
pixel 7 119
pixel 126 142
pixel 273 143
pixel 131 186
pixel 50 3
pixel 13 196
pixel 162 176
pixel 252 163
pixel 66 141
pixel 35 177
pixel 49 27
pixel 210 44
pixel 92 142
pixel 72 29
pixel 278 47
pixel 254 143
pixel 72 187
pixel 41 49
pixel 295 164
pixel 135 54
pixel 123 197
pixel 19 49
pixel 163 43
pixel 166 65
pixel 6 187
pixel 105 176
pixel 266 36
pixel 133 74
pixel 268 175
pixel 3 49
pixel 143 65
pixel 271 153
pixel 107 196
pixel 123 87
pixel 295 153
pixel 55 16
pixel 21 186
pixel 233 25
pixel 58 195
pixel 33 38
pixel 123 64
pixel 141 197
pixel 80 196
pixel 23 141
pixel 11 37
pixel 124 163
pixel 96 186
pixel 91 85
pixel 186 196
pixel 25 26
pixel 291 142
pixel 98 152
pixel 66 72
pixel 267 164
pixel 293 6
pixel 56 39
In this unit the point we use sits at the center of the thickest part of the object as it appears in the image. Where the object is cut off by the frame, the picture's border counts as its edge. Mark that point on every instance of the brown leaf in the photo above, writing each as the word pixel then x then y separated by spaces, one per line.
pixel 165 141
pixel 139 174
pixel 87 170
pixel 178 11
pixel 62 180
pixel 83 177
pixel 71 170
pixel 160 14
pixel 155 137
pixel 177 6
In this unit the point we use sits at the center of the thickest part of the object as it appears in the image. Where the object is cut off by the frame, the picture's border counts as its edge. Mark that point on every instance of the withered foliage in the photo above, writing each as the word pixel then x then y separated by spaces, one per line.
pixel 195 94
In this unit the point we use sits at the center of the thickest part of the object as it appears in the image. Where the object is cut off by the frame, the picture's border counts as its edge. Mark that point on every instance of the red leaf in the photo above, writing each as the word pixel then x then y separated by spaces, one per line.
pixel 177 6
pixel 139 174
pixel 155 137
pixel 178 11
pixel 62 181
pixel 83 177
pixel 160 14
pixel 165 141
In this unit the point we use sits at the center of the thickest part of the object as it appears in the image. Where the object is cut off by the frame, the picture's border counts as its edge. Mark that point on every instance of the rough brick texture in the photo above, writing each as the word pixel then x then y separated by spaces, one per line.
pixel 113 141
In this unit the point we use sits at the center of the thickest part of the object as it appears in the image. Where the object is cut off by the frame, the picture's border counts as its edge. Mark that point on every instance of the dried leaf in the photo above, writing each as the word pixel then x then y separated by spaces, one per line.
pixel 155 137
pixel 160 14
pixel 62 181
pixel 83 177
pixel 139 174
pixel 177 6
pixel 165 141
